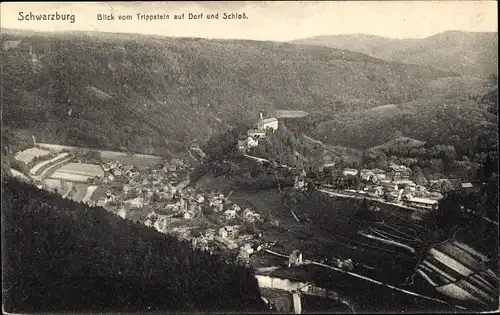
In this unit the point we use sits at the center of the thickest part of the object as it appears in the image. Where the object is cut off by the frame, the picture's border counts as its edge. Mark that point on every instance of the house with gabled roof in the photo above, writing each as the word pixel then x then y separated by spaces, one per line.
pixel 267 123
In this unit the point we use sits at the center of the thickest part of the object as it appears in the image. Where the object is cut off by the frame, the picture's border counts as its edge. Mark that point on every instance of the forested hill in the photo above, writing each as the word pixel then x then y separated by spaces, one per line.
pixel 125 91
pixel 63 256
pixel 468 53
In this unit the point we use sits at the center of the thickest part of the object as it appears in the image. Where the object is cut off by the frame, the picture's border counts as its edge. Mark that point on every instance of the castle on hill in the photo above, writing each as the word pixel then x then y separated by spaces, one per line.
pixel 253 135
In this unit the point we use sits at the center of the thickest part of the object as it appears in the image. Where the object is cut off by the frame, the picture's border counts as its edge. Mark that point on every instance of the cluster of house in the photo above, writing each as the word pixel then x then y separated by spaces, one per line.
pixel 226 237
pixel 246 244
pixel 167 201
pixel 141 188
pixel 158 221
pixel 117 171
pixel 395 173
pixel 246 215
pixel 161 193
pixel 409 194
pixel 190 203
pixel 395 186
pixel 254 135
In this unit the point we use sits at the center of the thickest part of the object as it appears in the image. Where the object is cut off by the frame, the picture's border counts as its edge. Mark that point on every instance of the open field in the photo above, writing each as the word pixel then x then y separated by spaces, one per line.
pixel 70 177
pixel 196 224
pixel 288 234
pixel 264 259
pixel 78 172
pixel 28 155
pixel 280 113
pixel 48 171
pixel 383 107
pixel 137 159
pixel 123 157
pixel 82 169
pixel 37 168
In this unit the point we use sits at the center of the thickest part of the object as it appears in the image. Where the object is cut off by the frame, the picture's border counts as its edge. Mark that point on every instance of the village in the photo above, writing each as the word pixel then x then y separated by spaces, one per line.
pixel 392 186
pixel 159 195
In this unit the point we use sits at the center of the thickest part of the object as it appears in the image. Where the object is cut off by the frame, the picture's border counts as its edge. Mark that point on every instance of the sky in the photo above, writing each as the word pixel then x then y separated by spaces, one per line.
pixel 266 20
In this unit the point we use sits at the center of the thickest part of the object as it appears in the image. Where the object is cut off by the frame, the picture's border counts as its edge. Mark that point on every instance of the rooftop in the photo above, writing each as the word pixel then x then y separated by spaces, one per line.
pixel 398 167
pixel 405 182
pixel 387 182
pixel 424 200
pixel 350 170
pixel 256 131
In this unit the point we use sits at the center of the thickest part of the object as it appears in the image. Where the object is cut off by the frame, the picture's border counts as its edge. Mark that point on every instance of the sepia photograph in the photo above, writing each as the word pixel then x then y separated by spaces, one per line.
pixel 241 157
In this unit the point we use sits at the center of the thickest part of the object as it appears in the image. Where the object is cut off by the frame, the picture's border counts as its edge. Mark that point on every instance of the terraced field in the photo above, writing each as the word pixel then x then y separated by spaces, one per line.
pixel 68 178
pixel 122 157
pixel 78 172
pixel 42 168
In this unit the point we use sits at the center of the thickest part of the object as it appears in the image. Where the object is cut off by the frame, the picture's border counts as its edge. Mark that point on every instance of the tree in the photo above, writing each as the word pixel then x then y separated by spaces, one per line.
pixel 417 175
pixel 451 211
pixel 353 181
pixel 445 186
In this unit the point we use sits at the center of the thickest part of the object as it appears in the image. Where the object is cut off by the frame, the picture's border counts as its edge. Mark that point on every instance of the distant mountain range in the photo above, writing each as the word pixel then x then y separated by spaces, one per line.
pixel 463 52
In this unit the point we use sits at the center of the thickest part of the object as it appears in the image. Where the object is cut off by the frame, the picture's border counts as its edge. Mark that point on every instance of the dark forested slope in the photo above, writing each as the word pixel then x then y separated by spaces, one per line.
pixel 465 122
pixel 145 92
pixel 468 53
pixel 58 255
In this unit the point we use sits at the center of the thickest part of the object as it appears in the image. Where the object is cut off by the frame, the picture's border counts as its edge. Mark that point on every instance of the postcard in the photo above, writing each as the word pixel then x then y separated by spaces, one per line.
pixel 249 157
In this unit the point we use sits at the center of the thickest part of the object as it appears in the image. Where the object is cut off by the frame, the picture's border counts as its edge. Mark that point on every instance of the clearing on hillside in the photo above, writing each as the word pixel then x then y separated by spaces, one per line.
pixel 37 168
pixel 78 172
pixel 28 155
pixel 282 113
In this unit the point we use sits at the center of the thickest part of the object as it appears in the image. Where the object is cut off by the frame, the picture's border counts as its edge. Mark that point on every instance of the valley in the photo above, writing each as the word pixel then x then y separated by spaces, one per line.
pixel 346 173
pixel 156 195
